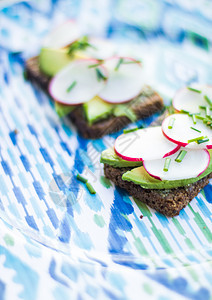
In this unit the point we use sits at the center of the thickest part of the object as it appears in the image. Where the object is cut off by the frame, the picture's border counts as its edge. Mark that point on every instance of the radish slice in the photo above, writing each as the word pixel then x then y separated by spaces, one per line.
pixel 148 143
pixel 62 36
pixel 77 83
pixel 188 100
pixel 193 164
pixel 123 84
pixel 101 48
pixel 181 131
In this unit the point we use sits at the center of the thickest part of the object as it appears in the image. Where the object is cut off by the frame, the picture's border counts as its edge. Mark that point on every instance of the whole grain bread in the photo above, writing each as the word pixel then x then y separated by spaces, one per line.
pixel 143 106
pixel 166 201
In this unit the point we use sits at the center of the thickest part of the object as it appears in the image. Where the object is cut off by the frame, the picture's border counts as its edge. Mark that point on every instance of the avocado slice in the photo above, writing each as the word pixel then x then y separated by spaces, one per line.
pixel 63 110
pixel 97 109
pixel 109 157
pixel 52 60
pixel 141 177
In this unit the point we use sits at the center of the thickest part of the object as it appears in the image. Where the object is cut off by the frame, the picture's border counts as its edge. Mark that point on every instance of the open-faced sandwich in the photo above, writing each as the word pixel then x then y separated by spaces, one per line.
pixel 100 91
pixel 166 166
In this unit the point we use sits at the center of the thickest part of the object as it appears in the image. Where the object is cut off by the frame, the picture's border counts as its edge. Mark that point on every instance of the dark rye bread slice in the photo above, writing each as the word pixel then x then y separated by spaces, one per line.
pixel 167 201
pixel 149 105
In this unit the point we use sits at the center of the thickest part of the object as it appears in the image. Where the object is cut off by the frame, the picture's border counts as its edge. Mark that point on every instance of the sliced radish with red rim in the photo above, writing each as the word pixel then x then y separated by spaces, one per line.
pixel 183 131
pixel 189 99
pixel 77 83
pixel 143 144
pixel 62 36
pixel 125 80
pixel 194 163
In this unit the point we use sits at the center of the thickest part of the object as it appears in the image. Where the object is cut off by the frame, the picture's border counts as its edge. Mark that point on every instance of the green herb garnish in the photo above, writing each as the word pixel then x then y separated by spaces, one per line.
pixel 80 44
pixel 207 121
pixel 81 178
pixel 203 141
pixel 200 117
pixel 180 156
pixel 132 62
pixel 130 130
pixel 194 119
pixel 166 164
pixel 90 188
pixel 121 60
pixel 71 86
pixel 184 111
pixel 196 139
pixel 194 90
pixel 208 100
pixel 96 65
pixel 100 75
pixel 171 123
pixel 207 112
pixel 196 129
pixel 25 75
pixel 170 109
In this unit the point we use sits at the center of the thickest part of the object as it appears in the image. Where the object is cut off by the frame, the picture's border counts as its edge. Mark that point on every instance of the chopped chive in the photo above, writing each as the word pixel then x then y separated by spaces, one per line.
pixel 180 156
pixel 195 129
pixel 100 75
pixel 208 100
pixel 202 141
pixel 130 130
pixel 81 44
pixel 184 111
pixel 194 90
pixel 191 114
pixel 170 109
pixel 194 119
pixel 25 75
pixel 121 60
pixel 202 107
pixel 171 123
pixel 71 86
pixel 206 121
pixel 166 164
pixel 81 178
pixel 132 62
pixel 207 111
pixel 196 139
pixel 200 117
pixel 96 65
pixel 90 188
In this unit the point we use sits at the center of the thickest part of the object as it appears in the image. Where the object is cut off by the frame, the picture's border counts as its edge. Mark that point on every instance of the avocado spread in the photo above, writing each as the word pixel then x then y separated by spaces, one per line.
pixel 141 177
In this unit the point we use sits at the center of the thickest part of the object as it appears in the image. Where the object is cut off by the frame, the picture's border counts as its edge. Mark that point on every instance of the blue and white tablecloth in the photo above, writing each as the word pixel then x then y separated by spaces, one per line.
pixel 57 241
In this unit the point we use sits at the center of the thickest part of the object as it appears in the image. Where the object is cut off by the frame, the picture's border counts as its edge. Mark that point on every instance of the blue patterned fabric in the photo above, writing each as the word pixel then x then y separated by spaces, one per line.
pixel 58 241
